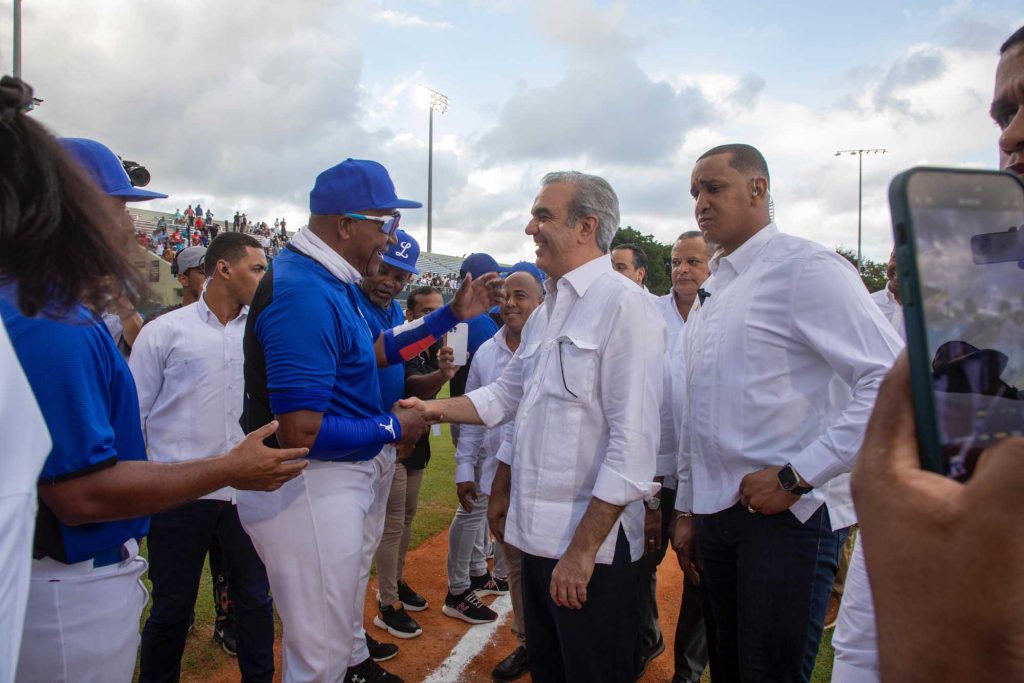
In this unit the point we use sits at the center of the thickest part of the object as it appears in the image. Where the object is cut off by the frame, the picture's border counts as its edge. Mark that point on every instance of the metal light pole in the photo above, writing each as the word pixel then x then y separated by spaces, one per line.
pixel 439 103
pixel 17 38
pixel 860 191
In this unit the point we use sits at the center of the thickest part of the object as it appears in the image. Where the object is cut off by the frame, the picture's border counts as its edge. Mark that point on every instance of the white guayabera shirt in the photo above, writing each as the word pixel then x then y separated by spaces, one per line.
pixel 784 317
pixel 586 411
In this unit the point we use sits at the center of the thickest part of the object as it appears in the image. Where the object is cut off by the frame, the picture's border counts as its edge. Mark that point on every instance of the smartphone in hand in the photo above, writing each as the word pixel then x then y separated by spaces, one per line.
pixel 960 260
pixel 458 340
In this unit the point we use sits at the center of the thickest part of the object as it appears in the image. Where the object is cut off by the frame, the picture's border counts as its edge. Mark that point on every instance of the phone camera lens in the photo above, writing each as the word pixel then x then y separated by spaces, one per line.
pixel 984 244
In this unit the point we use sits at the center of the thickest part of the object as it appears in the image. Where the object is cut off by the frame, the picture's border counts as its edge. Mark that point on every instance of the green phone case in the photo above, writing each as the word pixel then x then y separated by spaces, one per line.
pixel 913 313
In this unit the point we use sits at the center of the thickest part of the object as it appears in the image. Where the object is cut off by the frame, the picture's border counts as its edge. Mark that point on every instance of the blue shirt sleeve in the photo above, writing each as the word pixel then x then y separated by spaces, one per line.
pixel 481 328
pixel 302 345
pixel 70 366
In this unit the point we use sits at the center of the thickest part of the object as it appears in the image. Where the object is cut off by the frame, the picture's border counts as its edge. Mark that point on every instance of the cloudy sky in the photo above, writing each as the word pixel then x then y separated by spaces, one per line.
pixel 238 105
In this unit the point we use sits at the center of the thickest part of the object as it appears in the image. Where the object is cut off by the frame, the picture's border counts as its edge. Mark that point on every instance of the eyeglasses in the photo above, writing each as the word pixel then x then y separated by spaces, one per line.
pixel 388 224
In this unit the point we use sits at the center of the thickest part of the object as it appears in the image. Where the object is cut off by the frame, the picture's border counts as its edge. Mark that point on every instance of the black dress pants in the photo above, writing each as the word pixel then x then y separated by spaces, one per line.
pixel 594 644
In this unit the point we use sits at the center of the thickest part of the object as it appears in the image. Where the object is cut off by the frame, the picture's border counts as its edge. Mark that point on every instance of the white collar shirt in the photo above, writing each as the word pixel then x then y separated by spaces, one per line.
pixel 188 373
pixel 837 491
pixel 784 317
pixel 670 314
pixel 586 414
pixel 478 445
pixel 891 309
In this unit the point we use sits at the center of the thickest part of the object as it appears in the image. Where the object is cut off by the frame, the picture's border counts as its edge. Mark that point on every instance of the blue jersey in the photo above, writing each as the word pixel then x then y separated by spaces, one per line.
pixel 86 394
pixel 392 378
pixel 308 348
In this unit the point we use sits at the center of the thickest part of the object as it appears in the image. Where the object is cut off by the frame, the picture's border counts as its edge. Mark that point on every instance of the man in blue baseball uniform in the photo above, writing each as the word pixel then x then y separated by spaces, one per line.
pixel 311 358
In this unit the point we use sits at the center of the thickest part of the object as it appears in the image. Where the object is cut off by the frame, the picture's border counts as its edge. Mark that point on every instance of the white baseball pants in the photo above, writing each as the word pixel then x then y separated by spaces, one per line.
pixel 82 624
pixel 317 535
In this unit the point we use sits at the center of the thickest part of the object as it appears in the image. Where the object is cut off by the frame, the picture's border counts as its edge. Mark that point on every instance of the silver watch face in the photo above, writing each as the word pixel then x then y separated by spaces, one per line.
pixel 653 503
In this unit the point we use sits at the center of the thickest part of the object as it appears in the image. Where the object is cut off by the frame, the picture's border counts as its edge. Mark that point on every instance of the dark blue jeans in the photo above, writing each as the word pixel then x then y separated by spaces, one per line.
pixel 178 541
pixel 766 581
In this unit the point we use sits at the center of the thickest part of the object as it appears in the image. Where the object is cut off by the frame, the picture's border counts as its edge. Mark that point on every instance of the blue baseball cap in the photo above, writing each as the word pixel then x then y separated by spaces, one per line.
pixel 404 253
pixel 479 264
pixel 525 267
pixel 106 170
pixel 355 185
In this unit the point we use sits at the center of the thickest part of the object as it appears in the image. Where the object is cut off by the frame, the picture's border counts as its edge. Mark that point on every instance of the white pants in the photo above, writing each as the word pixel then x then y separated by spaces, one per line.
pixel 856 636
pixel 317 535
pixel 82 624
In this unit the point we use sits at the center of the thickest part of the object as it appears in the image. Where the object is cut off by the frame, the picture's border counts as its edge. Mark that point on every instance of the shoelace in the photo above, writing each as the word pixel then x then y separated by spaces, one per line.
pixel 473 599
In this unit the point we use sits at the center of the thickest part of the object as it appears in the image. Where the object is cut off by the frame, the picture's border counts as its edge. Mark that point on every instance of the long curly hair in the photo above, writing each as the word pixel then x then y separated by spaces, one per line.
pixel 62 240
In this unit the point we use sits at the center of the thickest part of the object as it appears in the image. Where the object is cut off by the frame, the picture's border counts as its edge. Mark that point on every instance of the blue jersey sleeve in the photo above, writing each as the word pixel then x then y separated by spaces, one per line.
pixel 302 345
pixel 71 367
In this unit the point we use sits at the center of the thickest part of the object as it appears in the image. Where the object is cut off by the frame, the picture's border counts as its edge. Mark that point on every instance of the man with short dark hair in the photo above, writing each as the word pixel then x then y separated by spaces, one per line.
pixel 187 366
pixel 779 319
pixel 630 260
pixel 690 255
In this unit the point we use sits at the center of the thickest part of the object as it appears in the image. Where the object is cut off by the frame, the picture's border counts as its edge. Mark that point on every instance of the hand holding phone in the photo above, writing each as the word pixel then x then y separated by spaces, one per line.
pixel 960 259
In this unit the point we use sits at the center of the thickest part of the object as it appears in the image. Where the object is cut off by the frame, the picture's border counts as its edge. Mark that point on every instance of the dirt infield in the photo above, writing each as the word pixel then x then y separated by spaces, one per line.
pixel 425 571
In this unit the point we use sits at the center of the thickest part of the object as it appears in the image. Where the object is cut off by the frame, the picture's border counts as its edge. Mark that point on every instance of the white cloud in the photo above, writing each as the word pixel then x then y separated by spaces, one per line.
pixel 404 20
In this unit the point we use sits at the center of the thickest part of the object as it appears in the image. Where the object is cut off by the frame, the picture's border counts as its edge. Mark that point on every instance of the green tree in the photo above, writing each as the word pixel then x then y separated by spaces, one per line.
pixel 873 272
pixel 659 258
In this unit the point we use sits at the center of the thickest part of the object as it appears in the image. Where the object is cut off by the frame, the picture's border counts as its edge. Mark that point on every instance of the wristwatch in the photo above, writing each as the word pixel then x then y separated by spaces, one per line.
pixel 789 480
pixel 653 503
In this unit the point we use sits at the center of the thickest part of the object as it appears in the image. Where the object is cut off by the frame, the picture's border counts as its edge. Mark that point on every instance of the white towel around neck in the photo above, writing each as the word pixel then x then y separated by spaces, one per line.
pixel 315 248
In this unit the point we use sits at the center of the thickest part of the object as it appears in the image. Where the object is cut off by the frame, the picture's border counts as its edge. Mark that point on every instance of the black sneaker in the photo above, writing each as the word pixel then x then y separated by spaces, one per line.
pixel 380 652
pixel 512 667
pixel 369 671
pixel 410 599
pixel 396 621
pixel 485 584
pixel 467 606
pixel 224 633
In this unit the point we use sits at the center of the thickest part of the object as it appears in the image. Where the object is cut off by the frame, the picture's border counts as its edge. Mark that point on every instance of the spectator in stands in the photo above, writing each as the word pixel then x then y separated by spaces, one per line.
pixel 161 223
pixel 177 216
pixel 284 230
pixel 190 216
pixel 199 211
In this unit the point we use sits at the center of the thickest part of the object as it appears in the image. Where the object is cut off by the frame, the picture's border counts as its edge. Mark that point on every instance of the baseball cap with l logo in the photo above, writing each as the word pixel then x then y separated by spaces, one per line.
pixel 404 253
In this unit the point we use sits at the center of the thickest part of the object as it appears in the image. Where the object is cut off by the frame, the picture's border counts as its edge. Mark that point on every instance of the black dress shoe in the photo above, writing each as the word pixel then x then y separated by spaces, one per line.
pixel 650 656
pixel 512 667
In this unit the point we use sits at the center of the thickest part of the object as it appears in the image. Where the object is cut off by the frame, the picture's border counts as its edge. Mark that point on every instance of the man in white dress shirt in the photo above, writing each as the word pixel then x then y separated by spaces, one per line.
pixel 581 462
pixel 630 260
pixel 187 366
pixel 780 318
pixel 476 462
pixel 690 255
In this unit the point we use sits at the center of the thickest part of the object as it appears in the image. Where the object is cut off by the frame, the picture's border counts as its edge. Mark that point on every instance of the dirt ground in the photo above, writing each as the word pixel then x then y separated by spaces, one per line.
pixel 425 571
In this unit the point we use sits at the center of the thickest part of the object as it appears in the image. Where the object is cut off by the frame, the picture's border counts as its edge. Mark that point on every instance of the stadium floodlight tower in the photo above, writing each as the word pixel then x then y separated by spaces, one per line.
pixel 438 103
pixel 859 153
